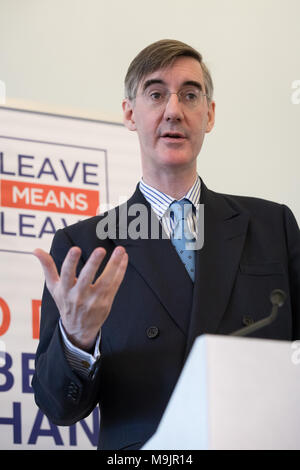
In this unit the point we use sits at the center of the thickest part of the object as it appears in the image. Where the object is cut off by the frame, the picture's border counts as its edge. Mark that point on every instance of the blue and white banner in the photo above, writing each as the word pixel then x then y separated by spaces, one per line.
pixel 54 171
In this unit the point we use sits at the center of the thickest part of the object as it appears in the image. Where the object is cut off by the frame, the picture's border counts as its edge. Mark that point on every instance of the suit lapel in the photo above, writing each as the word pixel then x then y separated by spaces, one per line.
pixel 157 262
pixel 196 309
pixel 216 263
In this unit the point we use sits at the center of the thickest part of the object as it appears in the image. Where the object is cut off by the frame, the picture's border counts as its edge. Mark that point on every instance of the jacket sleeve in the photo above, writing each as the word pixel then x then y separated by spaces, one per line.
pixel 60 393
pixel 293 245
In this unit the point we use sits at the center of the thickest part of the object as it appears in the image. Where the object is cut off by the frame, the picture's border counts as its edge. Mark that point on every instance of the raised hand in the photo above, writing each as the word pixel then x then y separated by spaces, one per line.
pixel 82 304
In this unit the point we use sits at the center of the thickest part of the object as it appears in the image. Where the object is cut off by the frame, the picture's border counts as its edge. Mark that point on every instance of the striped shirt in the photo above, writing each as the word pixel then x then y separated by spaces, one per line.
pixel 161 202
pixel 81 361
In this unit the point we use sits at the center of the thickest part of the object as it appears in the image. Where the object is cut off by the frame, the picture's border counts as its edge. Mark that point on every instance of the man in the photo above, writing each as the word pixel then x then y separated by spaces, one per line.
pixel 120 313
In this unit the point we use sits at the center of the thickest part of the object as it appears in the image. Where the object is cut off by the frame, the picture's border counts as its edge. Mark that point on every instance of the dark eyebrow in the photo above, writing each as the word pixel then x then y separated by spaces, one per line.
pixel 193 83
pixel 153 81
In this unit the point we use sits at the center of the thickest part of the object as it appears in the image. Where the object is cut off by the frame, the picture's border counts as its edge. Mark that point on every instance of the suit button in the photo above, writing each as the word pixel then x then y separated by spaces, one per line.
pixel 73 387
pixel 247 320
pixel 85 364
pixel 152 332
pixel 73 390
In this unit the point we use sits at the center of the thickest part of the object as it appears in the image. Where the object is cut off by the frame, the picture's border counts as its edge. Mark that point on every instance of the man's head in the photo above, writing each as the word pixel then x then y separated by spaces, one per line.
pixel 160 55
pixel 169 104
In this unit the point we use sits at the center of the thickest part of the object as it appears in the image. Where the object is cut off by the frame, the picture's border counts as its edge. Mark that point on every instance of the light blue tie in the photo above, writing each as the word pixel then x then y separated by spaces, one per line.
pixel 182 235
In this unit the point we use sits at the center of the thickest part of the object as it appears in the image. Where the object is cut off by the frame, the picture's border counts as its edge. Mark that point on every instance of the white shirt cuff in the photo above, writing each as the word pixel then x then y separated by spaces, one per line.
pixel 80 361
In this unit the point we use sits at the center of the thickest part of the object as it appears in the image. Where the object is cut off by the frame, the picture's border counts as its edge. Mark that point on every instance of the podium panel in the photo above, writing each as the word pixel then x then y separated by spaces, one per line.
pixel 233 393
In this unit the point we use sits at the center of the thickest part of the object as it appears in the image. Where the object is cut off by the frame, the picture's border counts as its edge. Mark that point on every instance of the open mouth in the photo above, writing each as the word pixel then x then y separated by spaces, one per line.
pixel 173 136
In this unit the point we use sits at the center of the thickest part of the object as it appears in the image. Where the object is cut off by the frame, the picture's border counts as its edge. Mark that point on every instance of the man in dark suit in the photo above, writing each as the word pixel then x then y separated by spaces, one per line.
pixel 120 312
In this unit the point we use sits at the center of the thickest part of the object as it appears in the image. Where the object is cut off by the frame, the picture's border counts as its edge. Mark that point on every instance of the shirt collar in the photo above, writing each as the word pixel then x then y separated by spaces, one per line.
pixel 160 201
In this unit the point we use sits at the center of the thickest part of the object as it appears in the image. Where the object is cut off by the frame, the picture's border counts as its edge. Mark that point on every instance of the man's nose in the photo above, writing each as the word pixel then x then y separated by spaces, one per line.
pixel 173 109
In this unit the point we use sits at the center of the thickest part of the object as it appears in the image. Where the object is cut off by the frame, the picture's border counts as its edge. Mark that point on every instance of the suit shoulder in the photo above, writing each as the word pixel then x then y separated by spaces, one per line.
pixel 82 225
pixel 251 203
pixel 263 211
pixel 260 209
pixel 84 232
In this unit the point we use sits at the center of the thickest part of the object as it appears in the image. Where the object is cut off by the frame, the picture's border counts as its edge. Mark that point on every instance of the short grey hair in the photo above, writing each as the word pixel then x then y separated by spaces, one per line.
pixel 159 55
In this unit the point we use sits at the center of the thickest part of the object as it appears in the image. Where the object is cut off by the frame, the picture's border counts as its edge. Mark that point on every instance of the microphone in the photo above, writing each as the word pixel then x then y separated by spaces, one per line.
pixel 277 299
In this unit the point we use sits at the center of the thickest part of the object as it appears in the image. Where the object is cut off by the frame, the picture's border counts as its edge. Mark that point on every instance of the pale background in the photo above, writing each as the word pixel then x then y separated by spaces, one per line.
pixel 70 57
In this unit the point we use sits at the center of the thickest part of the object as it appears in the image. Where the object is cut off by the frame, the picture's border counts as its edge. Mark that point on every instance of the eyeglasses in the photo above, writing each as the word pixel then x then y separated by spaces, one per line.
pixel 158 96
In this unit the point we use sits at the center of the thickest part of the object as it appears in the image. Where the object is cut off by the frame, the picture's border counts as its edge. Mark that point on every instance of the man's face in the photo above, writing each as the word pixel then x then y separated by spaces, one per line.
pixel 170 134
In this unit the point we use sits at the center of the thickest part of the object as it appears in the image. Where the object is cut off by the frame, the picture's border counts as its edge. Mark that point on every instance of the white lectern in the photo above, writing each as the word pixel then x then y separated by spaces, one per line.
pixel 233 393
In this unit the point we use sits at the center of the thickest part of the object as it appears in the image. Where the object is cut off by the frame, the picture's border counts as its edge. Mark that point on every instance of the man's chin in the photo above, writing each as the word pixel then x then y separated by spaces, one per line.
pixel 177 159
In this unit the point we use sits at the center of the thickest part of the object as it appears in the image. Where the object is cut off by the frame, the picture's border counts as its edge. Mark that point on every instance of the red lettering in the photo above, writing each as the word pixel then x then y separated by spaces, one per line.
pixel 36 310
pixel 5 317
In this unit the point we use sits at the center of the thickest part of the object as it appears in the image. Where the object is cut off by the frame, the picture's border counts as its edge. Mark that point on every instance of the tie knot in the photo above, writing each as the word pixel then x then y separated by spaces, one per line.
pixel 181 209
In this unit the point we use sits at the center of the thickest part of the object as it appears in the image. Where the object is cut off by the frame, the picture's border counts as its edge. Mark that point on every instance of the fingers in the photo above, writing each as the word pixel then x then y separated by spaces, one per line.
pixel 109 280
pixel 114 271
pixel 49 267
pixel 68 269
pixel 119 276
pixel 88 272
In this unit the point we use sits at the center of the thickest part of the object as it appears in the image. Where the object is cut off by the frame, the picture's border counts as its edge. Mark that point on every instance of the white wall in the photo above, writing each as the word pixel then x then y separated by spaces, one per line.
pixel 70 56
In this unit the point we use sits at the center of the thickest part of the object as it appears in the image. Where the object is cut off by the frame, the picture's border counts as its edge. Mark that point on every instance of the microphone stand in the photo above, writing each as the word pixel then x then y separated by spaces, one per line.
pixel 277 299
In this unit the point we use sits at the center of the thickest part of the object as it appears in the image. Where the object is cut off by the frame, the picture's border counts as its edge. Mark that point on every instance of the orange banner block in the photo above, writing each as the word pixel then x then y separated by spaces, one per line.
pixel 36 313
pixel 49 198
pixel 4 309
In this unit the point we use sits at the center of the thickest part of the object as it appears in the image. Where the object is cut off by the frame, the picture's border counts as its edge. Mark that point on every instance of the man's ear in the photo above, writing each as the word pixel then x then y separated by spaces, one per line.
pixel 211 116
pixel 128 114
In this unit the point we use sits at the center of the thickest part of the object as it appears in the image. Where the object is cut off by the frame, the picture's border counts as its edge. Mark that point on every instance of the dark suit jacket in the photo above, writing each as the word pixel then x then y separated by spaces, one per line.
pixel 251 247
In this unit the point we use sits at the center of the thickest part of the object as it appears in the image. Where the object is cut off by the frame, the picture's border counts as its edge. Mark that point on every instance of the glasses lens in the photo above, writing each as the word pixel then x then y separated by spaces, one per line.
pixel 159 95
pixel 190 96
pixel 156 94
